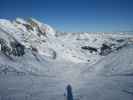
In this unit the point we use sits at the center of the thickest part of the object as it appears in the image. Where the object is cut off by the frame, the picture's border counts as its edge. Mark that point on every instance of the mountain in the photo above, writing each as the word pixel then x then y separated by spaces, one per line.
pixel 31 39
pixel 29 47
pixel 21 40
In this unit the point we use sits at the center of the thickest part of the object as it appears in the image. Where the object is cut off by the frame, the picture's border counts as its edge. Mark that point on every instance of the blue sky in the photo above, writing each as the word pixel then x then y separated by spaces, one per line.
pixel 74 15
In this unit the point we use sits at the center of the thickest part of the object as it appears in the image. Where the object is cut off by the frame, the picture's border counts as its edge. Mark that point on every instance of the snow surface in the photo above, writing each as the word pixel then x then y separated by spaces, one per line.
pixel 51 62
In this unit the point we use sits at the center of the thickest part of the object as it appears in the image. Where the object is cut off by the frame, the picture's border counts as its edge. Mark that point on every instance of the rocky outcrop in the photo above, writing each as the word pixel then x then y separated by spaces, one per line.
pixel 4 47
pixel 105 49
pixel 14 48
pixel 17 49
pixel 91 49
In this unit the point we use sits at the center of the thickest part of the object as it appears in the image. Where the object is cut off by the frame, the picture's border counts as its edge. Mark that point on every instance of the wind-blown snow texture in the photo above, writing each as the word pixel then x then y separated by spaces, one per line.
pixel 37 62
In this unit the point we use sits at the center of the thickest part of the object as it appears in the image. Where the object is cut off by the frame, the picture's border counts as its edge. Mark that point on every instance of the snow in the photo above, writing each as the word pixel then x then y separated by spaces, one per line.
pixel 88 82
pixel 21 21
pixel 44 28
pixel 52 62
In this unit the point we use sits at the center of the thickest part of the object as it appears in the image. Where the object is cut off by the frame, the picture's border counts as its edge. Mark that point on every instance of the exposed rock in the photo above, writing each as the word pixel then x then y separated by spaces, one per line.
pixel 4 47
pixel 91 49
pixel 105 49
pixel 17 49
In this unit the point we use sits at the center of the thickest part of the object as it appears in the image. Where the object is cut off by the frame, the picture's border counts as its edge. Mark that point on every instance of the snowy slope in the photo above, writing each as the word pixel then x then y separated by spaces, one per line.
pixel 44 61
pixel 43 39
pixel 41 43
pixel 109 79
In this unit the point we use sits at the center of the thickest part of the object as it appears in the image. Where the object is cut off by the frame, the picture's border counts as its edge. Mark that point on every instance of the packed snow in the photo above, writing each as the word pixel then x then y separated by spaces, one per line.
pixel 37 62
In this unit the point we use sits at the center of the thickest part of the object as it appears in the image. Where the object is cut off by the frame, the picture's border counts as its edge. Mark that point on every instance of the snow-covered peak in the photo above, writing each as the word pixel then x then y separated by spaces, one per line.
pixel 73 47
pixel 43 28
pixel 21 21
pixel 4 21
pixel 30 24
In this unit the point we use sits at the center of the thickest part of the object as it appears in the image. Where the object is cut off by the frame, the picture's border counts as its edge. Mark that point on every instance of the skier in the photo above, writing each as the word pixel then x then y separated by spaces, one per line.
pixel 69 94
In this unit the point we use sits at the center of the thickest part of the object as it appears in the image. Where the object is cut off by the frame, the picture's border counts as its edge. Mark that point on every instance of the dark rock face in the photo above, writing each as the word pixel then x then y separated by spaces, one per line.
pixel 14 48
pixel 91 49
pixel 17 49
pixel 4 47
pixel 28 26
pixel 120 40
pixel 105 49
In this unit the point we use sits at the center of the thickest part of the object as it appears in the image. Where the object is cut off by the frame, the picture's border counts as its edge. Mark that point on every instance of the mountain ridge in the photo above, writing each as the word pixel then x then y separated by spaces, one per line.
pixel 20 38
